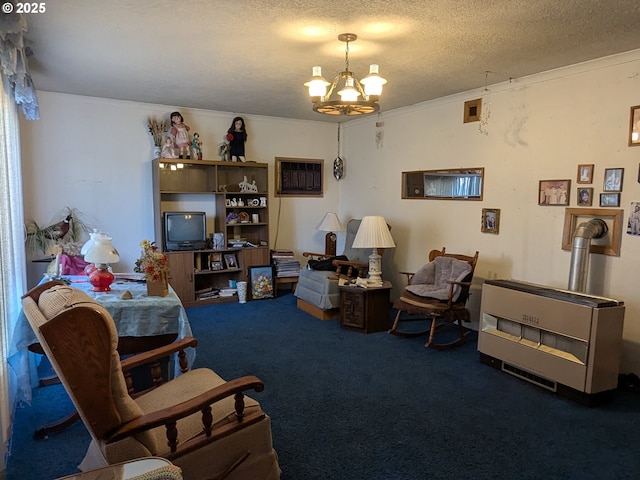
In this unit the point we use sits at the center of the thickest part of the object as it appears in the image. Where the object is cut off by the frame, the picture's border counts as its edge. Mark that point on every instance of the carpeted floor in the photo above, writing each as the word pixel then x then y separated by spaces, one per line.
pixel 346 405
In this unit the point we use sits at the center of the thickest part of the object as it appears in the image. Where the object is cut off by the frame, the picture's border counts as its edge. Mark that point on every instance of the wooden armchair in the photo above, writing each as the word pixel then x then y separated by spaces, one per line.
pixel 439 293
pixel 200 422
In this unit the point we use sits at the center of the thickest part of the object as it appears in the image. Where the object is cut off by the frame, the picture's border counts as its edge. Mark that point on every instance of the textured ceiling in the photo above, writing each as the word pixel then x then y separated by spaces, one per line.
pixel 252 57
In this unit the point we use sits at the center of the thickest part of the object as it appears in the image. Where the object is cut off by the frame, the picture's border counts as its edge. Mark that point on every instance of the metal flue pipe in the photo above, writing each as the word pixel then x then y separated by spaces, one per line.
pixel 594 228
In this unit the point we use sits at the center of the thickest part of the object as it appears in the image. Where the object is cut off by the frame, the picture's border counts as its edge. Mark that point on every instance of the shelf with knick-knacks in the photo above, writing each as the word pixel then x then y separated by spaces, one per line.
pixel 234 196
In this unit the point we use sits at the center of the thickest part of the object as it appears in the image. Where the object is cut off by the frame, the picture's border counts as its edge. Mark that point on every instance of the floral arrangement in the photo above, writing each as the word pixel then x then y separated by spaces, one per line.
pixel 152 262
pixel 157 129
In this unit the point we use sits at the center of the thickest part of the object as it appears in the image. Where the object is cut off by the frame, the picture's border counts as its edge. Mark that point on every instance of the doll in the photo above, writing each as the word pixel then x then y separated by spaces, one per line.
pixel 237 136
pixel 196 146
pixel 180 132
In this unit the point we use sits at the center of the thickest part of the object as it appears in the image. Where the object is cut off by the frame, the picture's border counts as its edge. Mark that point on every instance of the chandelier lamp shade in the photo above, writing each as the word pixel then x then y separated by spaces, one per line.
pixel 369 88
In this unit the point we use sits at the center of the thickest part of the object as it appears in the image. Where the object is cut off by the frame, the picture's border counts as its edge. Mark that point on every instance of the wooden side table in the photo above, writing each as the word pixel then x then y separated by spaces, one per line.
pixel 365 309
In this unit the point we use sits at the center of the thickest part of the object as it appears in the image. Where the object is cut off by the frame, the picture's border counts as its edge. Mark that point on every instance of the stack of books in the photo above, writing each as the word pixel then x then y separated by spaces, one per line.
pixel 284 263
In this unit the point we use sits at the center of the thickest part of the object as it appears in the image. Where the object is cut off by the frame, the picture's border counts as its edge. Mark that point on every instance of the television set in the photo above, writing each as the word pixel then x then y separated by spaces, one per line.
pixel 184 231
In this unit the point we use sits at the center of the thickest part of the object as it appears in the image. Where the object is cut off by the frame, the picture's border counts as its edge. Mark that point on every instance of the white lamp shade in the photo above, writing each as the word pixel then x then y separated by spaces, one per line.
pixel 102 251
pixel 373 82
pixel 91 242
pixel 373 233
pixel 317 85
pixel 330 223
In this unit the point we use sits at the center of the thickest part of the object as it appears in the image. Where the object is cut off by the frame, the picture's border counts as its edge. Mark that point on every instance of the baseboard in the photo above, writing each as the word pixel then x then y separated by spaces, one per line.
pixel 318 312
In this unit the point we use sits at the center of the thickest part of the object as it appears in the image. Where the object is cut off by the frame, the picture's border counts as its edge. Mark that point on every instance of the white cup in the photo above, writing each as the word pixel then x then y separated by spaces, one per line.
pixel 242 292
pixel 255 218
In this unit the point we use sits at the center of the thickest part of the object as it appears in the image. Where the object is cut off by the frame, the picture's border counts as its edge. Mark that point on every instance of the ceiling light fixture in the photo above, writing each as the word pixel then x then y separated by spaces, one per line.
pixel 370 88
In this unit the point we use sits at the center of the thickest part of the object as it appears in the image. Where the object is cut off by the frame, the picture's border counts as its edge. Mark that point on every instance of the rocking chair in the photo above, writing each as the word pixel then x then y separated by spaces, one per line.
pixel 438 291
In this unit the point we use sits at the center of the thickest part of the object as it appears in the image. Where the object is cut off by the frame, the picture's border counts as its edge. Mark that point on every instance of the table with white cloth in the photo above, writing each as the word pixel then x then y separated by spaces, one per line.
pixel 143 322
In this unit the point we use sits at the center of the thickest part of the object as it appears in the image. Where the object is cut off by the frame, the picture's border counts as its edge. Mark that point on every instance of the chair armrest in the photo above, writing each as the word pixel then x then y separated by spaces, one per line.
pixel 169 416
pixel 409 276
pixel 360 267
pixel 318 256
pixel 150 356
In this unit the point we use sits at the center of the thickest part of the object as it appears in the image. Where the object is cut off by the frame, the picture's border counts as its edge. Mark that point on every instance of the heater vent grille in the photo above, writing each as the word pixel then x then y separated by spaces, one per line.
pixel 529 377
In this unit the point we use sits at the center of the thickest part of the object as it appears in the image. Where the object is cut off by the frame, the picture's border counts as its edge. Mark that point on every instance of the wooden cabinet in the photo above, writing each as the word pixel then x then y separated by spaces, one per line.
pixel 181 274
pixel 365 309
pixel 234 197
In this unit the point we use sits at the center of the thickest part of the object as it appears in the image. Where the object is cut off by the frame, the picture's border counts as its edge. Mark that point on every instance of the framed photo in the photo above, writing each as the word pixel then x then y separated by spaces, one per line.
pixel 554 192
pixel 585 196
pixel 490 220
pixel 609 199
pixel 585 173
pixel 215 261
pixel 261 282
pixel 217 241
pixel 613 179
pixel 231 260
pixel 634 126
pixel 633 225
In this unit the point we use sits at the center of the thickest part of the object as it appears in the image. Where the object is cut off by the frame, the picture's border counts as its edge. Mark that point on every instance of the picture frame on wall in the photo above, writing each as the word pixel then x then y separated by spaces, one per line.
pixel 585 173
pixel 634 126
pixel 554 192
pixel 609 199
pixel 231 260
pixel 613 179
pixel 261 282
pixel 490 220
pixel 585 196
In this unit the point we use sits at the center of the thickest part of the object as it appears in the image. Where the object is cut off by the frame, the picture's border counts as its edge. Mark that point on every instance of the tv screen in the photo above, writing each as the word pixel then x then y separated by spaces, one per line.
pixel 185 230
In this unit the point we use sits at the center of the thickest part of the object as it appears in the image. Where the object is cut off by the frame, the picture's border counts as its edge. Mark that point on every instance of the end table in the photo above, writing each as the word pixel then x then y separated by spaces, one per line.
pixel 365 309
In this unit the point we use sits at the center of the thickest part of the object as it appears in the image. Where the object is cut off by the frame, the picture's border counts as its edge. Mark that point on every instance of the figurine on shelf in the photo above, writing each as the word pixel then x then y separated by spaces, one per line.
pixel 253 187
pixel 167 149
pixel 244 185
pixel 180 132
pixel 237 136
pixel 223 151
pixel 196 146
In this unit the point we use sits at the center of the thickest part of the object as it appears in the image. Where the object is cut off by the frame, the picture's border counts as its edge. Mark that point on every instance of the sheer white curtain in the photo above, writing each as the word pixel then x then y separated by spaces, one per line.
pixel 12 256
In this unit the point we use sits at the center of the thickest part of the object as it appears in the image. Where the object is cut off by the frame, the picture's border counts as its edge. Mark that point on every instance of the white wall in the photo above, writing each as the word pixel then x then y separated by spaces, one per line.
pixel 540 127
pixel 94 154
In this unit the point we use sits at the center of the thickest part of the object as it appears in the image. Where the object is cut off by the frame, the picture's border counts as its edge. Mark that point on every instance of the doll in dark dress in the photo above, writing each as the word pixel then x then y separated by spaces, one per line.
pixel 237 136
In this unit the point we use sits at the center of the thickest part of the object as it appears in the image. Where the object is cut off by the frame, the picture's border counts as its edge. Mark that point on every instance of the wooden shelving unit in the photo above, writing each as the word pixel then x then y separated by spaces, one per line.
pixel 234 196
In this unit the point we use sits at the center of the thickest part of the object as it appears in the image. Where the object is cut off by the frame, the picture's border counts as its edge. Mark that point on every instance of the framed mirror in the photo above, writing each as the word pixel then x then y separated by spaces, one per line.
pixel 444 184
pixel 634 126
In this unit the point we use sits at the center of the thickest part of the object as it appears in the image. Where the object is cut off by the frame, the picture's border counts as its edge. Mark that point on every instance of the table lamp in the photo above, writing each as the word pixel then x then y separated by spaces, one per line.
pixel 330 223
pixel 374 233
pixel 101 254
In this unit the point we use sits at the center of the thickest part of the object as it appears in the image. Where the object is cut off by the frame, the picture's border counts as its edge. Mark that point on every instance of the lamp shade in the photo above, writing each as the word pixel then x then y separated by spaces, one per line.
pixel 91 242
pixel 373 233
pixel 102 251
pixel 330 223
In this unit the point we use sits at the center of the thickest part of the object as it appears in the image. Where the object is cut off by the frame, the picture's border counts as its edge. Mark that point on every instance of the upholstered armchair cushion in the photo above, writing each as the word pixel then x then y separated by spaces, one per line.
pixel 433 279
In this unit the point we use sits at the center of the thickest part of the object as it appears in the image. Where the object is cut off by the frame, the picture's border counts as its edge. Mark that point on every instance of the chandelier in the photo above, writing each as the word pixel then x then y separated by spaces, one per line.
pixel 369 88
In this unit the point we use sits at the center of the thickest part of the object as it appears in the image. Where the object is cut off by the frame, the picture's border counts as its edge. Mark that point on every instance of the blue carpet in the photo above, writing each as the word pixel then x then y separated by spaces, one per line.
pixel 346 405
